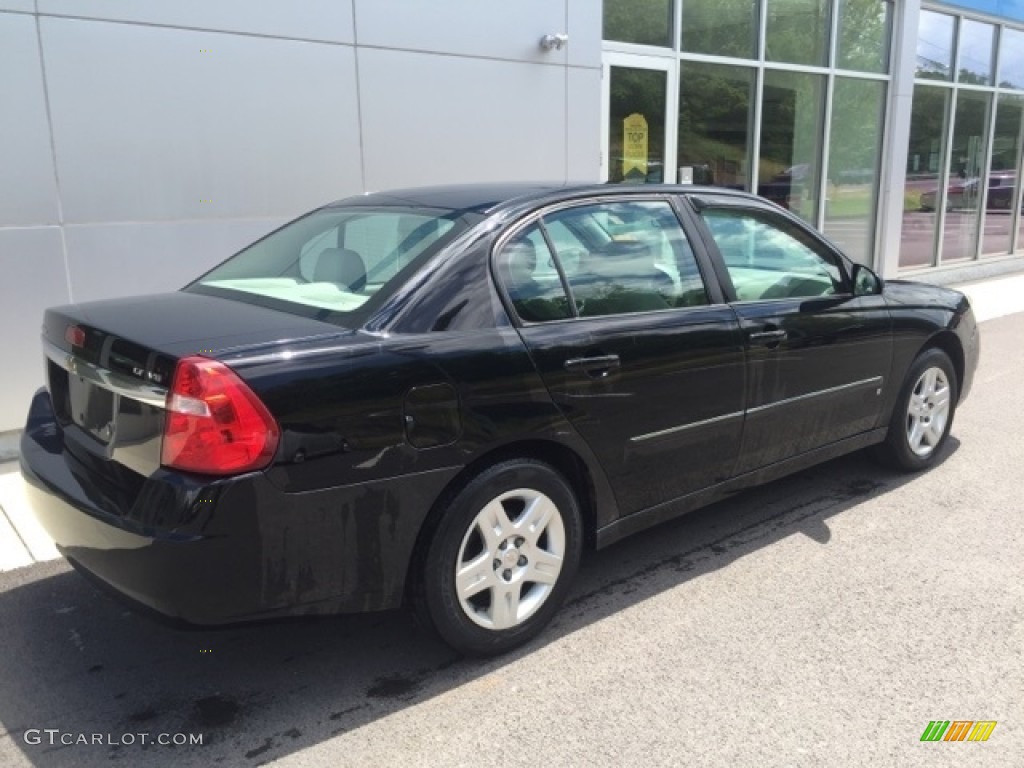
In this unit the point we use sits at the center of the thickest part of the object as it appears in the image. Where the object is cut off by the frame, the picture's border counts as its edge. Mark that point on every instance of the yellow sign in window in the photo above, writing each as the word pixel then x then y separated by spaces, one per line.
pixel 634 147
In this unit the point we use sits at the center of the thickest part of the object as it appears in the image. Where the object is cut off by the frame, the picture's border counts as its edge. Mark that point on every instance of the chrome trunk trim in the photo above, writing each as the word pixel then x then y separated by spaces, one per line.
pixel 118 383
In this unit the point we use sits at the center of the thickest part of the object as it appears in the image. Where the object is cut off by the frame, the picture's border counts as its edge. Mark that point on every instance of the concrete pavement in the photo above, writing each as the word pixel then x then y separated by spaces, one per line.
pixel 23 541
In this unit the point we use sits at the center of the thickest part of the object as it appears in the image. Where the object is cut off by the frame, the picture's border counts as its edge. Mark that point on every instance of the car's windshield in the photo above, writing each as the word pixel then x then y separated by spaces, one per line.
pixel 335 259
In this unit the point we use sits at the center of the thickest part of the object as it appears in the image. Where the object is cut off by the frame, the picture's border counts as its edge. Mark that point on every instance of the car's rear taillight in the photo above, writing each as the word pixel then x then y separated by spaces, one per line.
pixel 74 335
pixel 215 424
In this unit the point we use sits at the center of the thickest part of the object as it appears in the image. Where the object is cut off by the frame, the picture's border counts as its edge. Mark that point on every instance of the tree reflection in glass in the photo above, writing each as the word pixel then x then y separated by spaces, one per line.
pixel 720 27
pixel 715 115
pixel 858 107
pixel 791 141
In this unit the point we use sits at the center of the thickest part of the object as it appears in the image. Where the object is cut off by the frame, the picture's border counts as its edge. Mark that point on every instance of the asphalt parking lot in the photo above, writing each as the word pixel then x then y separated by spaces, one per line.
pixel 824 619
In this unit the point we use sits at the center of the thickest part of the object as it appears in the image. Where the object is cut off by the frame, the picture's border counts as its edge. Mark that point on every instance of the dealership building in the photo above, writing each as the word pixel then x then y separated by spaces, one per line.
pixel 143 141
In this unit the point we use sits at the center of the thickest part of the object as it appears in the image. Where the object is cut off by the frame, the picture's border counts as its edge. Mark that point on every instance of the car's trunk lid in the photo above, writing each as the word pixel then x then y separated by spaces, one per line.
pixel 109 389
pixel 179 324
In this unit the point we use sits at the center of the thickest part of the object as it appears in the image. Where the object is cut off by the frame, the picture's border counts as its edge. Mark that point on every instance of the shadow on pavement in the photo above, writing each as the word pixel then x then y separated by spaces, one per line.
pixel 77 661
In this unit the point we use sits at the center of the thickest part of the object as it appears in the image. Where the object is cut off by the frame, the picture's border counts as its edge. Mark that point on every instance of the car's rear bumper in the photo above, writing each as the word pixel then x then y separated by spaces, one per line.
pixel 214 551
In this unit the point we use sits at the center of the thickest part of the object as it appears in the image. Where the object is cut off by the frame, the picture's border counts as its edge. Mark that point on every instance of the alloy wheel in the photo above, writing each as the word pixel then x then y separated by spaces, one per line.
pixel 510 559
pixel 928 411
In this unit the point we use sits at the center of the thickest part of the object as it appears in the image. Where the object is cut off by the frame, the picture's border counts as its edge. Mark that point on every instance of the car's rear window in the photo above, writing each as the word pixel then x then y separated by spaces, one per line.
pixel 334 260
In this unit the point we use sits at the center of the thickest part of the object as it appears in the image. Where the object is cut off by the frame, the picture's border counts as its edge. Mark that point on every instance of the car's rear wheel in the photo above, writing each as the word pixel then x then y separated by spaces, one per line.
pixel 501 560
pixel 923 415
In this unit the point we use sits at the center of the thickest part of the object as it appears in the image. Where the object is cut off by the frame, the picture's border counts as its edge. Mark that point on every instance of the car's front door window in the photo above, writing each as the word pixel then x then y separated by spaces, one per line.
pixel 770 258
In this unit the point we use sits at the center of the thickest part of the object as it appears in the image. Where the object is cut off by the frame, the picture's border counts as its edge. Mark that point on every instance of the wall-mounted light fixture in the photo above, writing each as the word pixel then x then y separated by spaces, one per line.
pixel 554 41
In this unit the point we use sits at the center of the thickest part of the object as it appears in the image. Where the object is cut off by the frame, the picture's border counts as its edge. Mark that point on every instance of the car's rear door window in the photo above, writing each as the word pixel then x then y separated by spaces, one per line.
pixel 625 256
pixel 768 257
pixel 530 277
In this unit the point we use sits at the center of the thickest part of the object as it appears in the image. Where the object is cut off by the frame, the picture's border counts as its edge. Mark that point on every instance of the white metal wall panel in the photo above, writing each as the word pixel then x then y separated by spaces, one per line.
pixel 583 137
pixel 33 277
pixel 432 119
pixel 309 19
pixel 108 260
pixel 28 191
pixel 586 24
pixel 199 125
pixel 489 28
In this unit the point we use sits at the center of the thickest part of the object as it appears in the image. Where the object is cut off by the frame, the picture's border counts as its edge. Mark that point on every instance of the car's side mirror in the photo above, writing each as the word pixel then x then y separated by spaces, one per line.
pixel 865 282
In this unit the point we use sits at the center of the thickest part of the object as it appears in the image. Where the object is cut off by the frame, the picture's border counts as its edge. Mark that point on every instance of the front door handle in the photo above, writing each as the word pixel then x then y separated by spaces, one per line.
pixel 596 366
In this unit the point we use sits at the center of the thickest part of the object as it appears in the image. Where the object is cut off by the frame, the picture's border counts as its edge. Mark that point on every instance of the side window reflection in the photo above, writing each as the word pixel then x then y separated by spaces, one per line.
pixel 625 257
pixel 771 259
pixel 526 270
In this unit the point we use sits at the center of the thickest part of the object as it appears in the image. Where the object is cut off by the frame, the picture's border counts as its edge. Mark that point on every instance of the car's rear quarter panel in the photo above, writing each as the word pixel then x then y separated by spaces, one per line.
pixel 349 494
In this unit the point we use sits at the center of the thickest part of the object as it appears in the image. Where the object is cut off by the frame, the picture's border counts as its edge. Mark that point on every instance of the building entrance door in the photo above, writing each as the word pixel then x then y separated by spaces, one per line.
pixel 639 138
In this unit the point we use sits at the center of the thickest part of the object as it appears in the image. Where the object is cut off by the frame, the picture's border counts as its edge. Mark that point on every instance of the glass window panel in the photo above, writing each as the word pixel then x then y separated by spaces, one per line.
pixel 926 162
pixel 791 139
pixel 627 257
pixel 636 133
pixel 976 48
pixel 854 153
pixel 798 31
pixel 864 27
pixel 935 45
pixel 715 118
pixel 1002 178
pixel 770 258
pixel 720 27
pixel 1011 59
pixel 527 273
pixel 647 22
pixel 312 263
pixel 966 176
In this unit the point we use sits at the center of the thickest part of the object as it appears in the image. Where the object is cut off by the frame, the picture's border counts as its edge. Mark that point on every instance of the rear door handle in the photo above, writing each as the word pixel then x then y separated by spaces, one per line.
pixel 597 366
pixel 768 336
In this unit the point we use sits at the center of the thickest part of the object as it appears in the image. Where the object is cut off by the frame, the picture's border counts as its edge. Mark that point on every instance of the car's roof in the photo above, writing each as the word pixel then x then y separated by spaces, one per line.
pixel 473 197
pixel 487 197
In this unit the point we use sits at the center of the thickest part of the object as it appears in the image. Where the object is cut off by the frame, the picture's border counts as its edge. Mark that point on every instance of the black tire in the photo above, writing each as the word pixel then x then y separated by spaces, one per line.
pixel 508 608
pixel 901 450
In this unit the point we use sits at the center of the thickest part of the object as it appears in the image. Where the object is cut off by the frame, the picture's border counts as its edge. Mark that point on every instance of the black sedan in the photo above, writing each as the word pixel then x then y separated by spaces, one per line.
pixel 438 397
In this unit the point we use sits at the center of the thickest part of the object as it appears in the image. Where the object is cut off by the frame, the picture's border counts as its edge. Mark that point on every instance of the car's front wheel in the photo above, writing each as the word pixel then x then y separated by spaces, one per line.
pixel 923 415
pixel 502 558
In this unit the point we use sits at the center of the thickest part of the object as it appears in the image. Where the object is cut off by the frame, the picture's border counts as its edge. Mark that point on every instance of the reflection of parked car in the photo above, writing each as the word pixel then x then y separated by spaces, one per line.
pixel 963 193
pixel 1001 188
pixel 783 186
